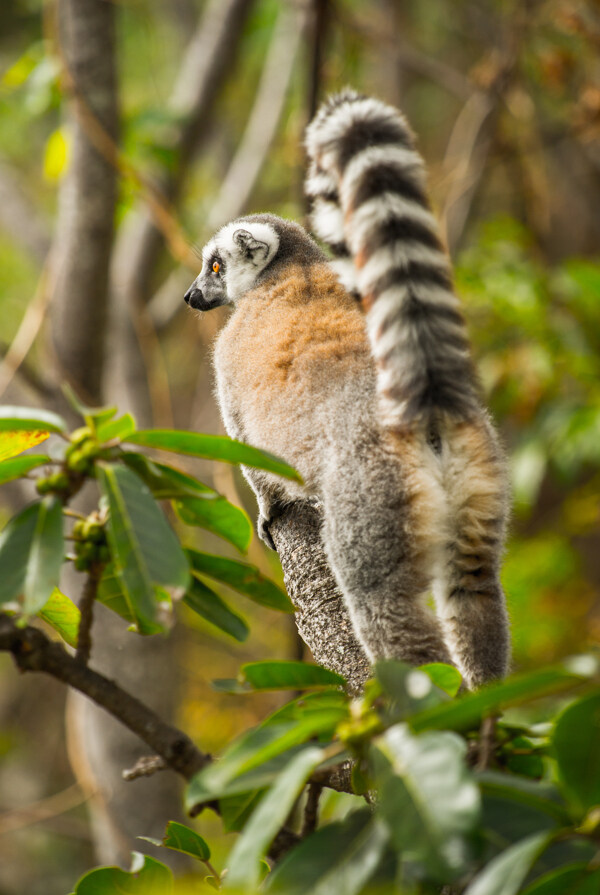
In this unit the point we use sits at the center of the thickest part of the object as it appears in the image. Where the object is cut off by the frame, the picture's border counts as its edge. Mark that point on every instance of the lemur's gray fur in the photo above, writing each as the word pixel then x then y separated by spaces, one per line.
pixel 374 402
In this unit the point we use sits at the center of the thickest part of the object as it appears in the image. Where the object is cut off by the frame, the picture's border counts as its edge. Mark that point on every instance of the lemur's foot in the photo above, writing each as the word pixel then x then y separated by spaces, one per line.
pixel 264 533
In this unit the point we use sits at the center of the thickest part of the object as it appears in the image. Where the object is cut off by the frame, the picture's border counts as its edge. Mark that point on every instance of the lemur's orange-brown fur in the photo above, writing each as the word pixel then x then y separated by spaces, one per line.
pixel 370 393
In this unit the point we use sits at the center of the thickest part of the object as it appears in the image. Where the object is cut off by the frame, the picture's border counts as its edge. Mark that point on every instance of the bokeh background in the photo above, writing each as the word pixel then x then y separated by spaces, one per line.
pixel 204 122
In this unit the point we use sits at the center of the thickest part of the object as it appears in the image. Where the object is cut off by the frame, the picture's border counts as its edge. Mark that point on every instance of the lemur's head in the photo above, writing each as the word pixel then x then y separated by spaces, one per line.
pixel 244 254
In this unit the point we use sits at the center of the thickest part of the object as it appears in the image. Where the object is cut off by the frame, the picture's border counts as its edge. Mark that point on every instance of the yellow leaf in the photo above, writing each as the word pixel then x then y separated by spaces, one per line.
pixel 13 443
pixel 56 155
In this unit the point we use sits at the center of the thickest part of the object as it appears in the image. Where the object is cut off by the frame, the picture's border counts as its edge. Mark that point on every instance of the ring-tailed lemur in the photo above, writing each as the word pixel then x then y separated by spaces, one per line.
pixel 377 407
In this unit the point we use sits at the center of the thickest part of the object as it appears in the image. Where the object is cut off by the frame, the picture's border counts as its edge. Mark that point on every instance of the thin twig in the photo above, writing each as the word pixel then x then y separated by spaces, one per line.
pixel 145 766
pixel 52 806
pixel 311 810
pixel 27 331
pixel 86 607
pixel 264 117
pixel 487 742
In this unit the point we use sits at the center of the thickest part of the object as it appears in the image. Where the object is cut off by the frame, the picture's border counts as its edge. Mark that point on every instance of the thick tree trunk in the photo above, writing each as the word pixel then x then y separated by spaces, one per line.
pixel 321 616
pixel 88 197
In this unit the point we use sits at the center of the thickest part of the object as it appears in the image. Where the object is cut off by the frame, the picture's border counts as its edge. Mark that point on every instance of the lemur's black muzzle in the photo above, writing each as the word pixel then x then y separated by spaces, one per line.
pixel 195 298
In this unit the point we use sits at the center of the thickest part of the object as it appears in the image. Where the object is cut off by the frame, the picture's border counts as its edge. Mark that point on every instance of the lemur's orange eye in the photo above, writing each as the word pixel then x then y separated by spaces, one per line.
pixel 216 266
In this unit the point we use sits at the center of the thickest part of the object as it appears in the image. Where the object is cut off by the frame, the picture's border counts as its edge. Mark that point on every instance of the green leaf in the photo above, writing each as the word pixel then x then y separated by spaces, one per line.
pixel 165 482
pixel 62 614
pixel 252 750
pixel 269 816
pixel 31 554
pixel 107 430
pixel 279 675
pixel 540 797
pixel 213 447
pixel 148 877
pixel 181 838
pixel 505 873
pixel 219 516
pixel 46 554
pixel 211 607
pixel 466 711
pixel 15 544
pixel 575 879
pixel 339 859
pixel 144 547
pixel 26 419
pixel 576 745
pixel 242 577
pixel 235 810
pixel 428 798
pixel 14 469
pixel 446 677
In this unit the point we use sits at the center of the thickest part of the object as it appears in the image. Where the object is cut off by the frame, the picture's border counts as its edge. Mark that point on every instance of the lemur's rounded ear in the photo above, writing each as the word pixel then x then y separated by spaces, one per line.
pixel 251 247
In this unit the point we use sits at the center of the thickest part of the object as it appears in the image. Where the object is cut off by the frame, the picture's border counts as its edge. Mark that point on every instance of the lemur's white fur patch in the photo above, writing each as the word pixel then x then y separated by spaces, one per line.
pixel 241 270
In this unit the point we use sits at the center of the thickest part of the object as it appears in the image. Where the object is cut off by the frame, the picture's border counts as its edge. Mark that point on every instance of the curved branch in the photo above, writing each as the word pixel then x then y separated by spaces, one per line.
pixel 32 650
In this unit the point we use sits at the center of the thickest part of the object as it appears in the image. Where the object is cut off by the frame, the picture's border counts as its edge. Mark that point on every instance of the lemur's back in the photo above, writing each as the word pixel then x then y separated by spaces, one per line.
pixel 292 355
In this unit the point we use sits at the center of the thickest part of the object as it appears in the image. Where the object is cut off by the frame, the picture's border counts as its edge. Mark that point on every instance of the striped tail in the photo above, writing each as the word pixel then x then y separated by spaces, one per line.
pixel 366 182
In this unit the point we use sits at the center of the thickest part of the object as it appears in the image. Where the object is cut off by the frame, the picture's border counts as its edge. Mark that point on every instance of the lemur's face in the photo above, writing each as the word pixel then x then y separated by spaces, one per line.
pixel 231 263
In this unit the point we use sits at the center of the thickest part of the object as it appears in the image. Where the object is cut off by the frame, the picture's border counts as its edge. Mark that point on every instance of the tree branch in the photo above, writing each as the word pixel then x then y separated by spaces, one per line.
pixel 32 650
pixel 87 198
pixel 321 615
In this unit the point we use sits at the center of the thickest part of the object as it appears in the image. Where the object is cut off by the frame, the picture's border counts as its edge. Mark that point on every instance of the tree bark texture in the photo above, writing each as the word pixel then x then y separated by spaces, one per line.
pixel 88 197
pixel 321 615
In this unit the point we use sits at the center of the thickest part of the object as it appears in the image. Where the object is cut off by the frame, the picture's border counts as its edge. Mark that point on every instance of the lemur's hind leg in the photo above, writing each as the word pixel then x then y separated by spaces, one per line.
pixel 378 551
pixel 468 592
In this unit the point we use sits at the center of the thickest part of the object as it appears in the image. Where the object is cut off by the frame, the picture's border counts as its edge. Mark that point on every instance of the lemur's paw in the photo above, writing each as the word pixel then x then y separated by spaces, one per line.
pixel 264 532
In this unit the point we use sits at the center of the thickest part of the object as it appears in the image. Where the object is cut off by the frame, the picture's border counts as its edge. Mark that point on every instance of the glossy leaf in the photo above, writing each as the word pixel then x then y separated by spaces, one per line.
pixel 213 447
pixel 219 516
pixel 27 419
pixel 147 877
pixel 112 595
pixel 215 610
pixel 576 744
pixel 428 798
pixel 164 481
pixel 62 614
pixel 31 554
pixel 107 430
pixel 504 875
pixel 252 750
pixel 15 544
pixel 466 711
pixel 575 879
pixel 540 797
pixel 269 816
pixel 14 443
pixel 242 577
pixel 279 675
pixel 339 859
pixel 446 677
pixel 46 555
pixel 181 838
pixel 236 809
pixel 144 548
pixel 14 469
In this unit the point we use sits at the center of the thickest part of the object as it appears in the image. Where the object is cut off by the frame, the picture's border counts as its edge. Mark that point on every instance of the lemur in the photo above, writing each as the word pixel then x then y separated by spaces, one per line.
pixel 374 401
